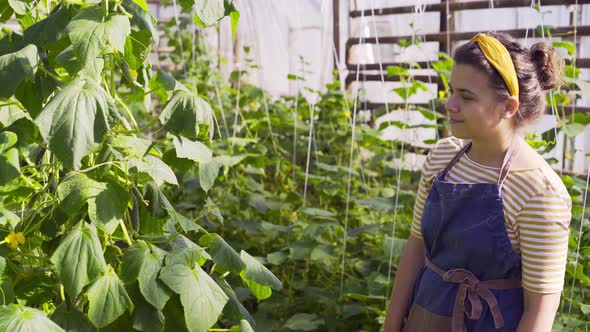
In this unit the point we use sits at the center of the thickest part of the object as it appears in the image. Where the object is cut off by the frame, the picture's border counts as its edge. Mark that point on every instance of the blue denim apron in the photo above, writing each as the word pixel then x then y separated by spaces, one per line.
pixel 471 280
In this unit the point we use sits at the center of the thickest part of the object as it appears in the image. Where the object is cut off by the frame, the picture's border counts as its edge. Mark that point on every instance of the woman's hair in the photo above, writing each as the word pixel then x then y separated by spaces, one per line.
pixel 538 68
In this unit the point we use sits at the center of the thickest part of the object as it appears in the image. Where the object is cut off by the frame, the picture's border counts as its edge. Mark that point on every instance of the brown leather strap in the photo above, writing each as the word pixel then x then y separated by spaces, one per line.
pixel 507 163
pixel 455 159
pixel 473 290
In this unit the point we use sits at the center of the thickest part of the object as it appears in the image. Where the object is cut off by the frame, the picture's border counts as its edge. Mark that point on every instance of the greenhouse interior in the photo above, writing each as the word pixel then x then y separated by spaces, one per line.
pixel 301 165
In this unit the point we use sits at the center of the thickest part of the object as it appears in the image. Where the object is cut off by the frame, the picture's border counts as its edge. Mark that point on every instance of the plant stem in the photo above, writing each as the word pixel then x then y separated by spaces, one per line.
pixel 128 111
pixel 8 104
pixel 50 74
pixel 61 292
pixel 125 234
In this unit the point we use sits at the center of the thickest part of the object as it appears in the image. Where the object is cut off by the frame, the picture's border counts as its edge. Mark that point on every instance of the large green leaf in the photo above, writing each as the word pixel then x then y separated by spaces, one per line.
pixel 79 259
pixel 191 149
pixel 106 201
pixel 210 11
pixel 10 114
pixel 8 217
pixel 106 208
pixel 7 140
pixel 15 67
pixel 5 13
pixel 133 259
pixel 319 213
pixel 2 266
pixel 137 48
pixel 107 299
pixel 222 253
pixel 202 299
pixel 19 6
pixel 76 120
pixel 33 94
pixel 158 202
pixel 164 86
pixel 208 172
pixel 258 278
pixel 133 146
pixel 155 168
pixel 261 292
pixel 234 309
pixel 259 273
pixel 187 256
pixel 184 113
pixel 9 166
pixel 153 289
pixel 573 129
pixel 91 33
pixel 246 326
pixel 50 29
pixel 145 317
pixel 74 191
pixel 185 223
pixel 142 20
pixel 71 320
pixel 142 264
pixel 18 318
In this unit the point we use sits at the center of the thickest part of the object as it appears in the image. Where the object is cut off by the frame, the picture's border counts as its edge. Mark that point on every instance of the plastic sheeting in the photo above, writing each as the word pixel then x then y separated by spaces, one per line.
pixel 295 37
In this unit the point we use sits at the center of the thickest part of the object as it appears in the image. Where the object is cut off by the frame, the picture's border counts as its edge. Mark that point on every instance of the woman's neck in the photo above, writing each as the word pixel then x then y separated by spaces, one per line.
pixel 490 151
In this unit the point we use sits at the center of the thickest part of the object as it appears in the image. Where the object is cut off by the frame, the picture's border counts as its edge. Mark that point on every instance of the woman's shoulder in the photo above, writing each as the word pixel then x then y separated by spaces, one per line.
pixel 533 166
pixel 449 143
pixel 440 154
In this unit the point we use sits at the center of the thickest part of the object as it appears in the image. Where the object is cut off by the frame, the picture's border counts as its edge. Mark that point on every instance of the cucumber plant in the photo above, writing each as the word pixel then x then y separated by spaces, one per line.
pixel 89 138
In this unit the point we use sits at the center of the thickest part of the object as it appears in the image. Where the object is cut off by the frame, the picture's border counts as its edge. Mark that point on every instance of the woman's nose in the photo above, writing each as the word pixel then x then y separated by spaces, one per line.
pixel 451 105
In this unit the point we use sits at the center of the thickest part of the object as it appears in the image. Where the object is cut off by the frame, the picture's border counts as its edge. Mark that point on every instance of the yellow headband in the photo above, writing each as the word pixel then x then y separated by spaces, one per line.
pixel 499 58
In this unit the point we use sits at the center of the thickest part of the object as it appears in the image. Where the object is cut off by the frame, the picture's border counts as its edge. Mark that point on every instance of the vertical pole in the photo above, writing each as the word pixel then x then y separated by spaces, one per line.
pixel 219 45
pixel 336 32
pixel 570 143
pixel 445 26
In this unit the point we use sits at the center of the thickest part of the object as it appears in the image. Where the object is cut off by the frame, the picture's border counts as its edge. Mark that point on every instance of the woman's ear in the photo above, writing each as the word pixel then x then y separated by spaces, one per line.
pixel 510 107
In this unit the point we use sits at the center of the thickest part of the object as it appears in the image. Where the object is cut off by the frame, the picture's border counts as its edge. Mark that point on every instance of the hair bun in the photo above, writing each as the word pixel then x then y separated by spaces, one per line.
pixel 549 65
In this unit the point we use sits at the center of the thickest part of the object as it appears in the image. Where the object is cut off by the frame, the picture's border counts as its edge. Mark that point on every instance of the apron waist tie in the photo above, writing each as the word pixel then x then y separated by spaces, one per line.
pixel 472 290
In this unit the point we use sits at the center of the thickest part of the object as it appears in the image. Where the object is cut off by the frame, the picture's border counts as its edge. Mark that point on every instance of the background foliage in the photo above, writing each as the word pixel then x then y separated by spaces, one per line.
pixel 132 198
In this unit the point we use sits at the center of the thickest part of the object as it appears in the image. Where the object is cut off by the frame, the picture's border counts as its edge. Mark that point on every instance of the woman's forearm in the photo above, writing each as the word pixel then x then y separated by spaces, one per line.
pixel 539 312
pixel 536 322
pixel 410 263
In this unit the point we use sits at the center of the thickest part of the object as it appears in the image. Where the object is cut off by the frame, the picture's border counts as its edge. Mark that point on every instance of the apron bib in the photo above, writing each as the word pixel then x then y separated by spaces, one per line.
pixel 471 280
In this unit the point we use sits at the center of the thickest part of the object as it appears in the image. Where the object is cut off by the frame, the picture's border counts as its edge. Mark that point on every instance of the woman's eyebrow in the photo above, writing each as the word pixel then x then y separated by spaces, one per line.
pixel 462 90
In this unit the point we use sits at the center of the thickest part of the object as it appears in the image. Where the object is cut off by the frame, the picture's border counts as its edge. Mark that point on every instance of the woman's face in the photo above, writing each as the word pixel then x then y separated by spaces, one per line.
pixel 473 106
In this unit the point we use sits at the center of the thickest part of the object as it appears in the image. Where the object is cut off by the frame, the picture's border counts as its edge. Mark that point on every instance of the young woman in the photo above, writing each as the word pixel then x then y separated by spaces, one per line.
pixel 489 240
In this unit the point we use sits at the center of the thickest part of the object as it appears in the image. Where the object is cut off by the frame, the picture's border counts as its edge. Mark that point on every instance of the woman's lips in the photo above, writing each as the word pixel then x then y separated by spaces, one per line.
pixel 455 121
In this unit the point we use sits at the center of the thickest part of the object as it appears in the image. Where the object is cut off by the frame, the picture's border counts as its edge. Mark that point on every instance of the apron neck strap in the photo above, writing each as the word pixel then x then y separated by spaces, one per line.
pixel 506 163
pixel 455 159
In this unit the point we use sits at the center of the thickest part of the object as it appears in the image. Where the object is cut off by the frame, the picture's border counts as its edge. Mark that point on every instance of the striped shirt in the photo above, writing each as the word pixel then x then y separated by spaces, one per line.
pixel 537 209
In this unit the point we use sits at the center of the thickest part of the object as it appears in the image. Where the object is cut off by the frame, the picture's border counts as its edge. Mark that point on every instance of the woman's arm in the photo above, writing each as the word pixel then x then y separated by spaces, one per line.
pixel 539 311
pixel 410 263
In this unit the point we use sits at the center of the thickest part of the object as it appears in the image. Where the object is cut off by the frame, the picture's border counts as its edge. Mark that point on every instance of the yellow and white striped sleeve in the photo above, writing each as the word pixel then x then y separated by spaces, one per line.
pixel 543 225
pixel 423 189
